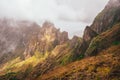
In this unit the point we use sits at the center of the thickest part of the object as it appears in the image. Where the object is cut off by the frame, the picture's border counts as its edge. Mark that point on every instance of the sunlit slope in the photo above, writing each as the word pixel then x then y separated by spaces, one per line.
pixel 105 66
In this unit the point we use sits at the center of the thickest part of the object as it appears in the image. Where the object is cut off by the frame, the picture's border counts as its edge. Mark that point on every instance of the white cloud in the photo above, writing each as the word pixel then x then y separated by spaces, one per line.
pixel 54 10
pixel 51 9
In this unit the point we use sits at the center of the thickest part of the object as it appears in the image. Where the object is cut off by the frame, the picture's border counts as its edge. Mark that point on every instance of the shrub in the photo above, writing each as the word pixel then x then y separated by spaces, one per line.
pixel 116 42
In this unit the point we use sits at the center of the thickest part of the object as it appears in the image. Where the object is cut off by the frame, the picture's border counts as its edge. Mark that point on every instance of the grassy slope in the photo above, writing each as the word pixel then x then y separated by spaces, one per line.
pixel 18 65
pixel 103 66
pixel 97 67
pixel 61 55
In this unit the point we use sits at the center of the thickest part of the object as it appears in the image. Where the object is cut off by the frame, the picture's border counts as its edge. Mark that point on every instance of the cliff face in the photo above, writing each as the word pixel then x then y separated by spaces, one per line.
pixel 113 3
pixel 105 20
pixel 46 40
pixel 108 17
pixel 104 40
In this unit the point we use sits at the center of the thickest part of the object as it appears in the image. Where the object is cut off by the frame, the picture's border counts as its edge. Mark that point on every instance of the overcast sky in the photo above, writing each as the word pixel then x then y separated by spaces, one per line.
pixel 69 15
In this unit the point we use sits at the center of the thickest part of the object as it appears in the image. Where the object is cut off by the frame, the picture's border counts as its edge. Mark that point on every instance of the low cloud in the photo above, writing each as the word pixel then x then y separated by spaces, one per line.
pixel 67 11
pixel 70 10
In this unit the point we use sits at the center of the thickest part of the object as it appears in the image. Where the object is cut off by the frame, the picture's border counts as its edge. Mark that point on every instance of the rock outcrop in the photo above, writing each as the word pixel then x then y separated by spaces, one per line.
pixel 105 20
pixel 46 40
pixel 108 17
pixel 104 40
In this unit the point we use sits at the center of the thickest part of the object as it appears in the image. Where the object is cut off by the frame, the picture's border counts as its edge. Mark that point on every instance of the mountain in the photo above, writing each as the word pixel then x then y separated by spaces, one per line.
pixel 33 52
pixel 14 37
pixel 104 66
pixel 105 20
pixel 34 47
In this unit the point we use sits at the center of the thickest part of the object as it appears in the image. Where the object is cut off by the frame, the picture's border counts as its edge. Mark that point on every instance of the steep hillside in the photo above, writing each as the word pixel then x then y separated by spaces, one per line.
pixel 104 40
pixel 109 16
pixel 104 66
pixel 46 48
pixel 105 20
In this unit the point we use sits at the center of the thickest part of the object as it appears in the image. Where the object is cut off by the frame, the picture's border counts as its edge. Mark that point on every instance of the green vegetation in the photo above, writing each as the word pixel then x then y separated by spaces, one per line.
pixel 10 76
pixel 103 41
pixel 28 70
pixel 38 54
pixel 66 59
pixel 116 43
pixel 81 56
pixel 97 67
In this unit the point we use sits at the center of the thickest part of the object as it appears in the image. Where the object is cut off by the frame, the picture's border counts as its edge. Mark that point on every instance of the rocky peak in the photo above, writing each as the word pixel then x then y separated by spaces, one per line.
pixel 108 17
pixel 73 41
pixel 88 34
pixel 47 24
pixel 113 3
pixel 63 37
pixel 49 33
pixel 105 20
pixel 47 39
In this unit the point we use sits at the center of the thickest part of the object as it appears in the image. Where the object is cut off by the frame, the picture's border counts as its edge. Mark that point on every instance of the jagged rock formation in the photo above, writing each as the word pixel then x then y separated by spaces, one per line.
pixel 108 17
pixel 35 45
pixel 113 3
pixel 103 21
pixel 46 40
pixel 46 50
pixel 25 36
pixel 104 40
pixel 89 34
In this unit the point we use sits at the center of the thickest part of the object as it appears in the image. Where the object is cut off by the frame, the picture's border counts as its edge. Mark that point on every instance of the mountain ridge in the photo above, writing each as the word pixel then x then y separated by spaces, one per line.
pixel 48 50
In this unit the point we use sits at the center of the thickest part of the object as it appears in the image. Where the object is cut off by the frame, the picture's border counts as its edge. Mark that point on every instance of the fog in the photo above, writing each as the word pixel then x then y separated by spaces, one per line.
pixel 68 15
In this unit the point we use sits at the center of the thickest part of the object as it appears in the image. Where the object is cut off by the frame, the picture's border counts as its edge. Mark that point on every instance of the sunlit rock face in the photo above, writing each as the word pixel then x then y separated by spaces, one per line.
pixel 46 40
pixel 23 38
pixel 49 33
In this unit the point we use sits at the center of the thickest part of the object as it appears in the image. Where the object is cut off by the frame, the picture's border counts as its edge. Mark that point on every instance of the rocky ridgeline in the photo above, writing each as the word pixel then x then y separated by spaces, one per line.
pixel 47 39
pixel 105 20
pixel 22 38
